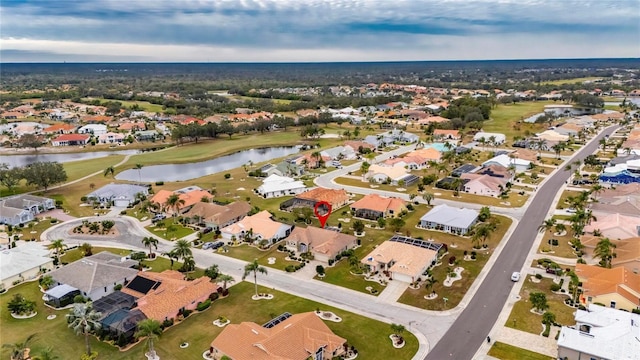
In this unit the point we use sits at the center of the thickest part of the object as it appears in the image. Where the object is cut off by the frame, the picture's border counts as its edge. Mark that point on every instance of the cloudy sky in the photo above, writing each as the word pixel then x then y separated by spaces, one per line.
pixel 315 30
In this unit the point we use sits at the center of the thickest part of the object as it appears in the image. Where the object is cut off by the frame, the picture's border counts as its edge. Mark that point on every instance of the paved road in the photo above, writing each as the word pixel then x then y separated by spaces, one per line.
pixel 477 319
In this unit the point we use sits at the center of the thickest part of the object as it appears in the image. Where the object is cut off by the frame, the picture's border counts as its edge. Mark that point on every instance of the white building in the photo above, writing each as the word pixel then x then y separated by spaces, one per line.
pixel 121 195
pixel 95 129
pixel 449 219
pixel 110 138
pixel 490 138
pixel 601 333
pixel 22 263
pixel 276 186
pixel 506 162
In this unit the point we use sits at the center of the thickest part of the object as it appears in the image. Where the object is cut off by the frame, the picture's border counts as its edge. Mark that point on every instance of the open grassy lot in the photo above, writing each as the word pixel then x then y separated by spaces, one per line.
pixel 370 337
pixel 75 254
pixel 508 352
pixel 144 105
pixel 522 318
pixel 32 230
pixel 169 229
pixel 505 118
pixel 456 292
pixel 250 253
pixel 571 81
pixel 562 250
pixel 562 202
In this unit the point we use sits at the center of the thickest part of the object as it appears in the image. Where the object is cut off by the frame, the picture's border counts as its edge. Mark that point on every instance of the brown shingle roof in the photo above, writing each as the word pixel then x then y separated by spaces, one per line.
pixel 322 241
pixel 296 338
pixel 334 197
pixel 218 214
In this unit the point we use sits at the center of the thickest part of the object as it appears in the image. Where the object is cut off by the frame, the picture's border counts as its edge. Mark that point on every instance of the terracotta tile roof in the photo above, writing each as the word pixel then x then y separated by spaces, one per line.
pixel 597 281
pixel 526 154
pixel 621 190
pixel 72 137
pixel 190 198
pixel 408 259
pixel 355 145
pixel 393 173
pixel 96 118
pixel 490 182
pixel 378 203
pixel 442 132
pixel 172 294
pixel 260 223
pixel 322 241
pixel 427 153
pixel 615 226
pixel 408 159
pixel 219 214
pixel 336 198
pixel 296 338
pixel 61 127
pixel 430 119
pixel 132 125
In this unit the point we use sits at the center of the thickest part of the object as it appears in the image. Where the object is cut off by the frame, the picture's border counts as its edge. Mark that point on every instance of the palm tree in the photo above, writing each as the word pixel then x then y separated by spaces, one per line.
pixel 225 279
pixel 428 197
pixel 430 282
pixel 57 245
pixel 47 354
pixel 182 249
pixel 254 268
pixel 150 329
pixel 83 319
pixel 596 189
pixel 189 264
pixel 174 202
pixel 547 225
pixel 139 168
pixel 18 349
pixel 149 242
pixel 560 228
pixel 109 171
pixel 604 251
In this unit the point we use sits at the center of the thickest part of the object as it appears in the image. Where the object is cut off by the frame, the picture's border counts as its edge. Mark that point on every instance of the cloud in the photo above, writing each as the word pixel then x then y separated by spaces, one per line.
pixel 397 30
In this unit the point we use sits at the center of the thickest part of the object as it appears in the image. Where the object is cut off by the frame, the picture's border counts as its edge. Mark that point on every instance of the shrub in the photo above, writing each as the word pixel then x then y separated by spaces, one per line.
pixel 547 329
pixel 166 323
pixel 53 221
pixel 555 287
pixel 159 183
pixel 452 260
pixel 227 176
pixel 538 276
pixel 214 295
pixel 330 262
pixel 203 305
pixel 83 199
pixel 123 212
pixel 79 299
pixel 290 268
pixel 117 287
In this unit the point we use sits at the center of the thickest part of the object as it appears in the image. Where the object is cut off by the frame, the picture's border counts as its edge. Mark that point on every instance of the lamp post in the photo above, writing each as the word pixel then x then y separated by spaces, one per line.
pixel 445 302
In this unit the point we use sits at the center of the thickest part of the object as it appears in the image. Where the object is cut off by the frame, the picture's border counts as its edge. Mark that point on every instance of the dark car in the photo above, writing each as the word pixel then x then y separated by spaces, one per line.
pixel 216 245
pixel 554 271
pixel 206 230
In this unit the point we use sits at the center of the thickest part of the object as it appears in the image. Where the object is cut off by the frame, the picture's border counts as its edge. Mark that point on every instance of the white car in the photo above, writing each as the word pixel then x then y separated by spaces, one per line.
pixel 515 276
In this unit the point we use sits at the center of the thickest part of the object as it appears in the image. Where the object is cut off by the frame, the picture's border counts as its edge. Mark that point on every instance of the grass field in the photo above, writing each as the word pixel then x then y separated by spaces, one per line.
pixel 570 81
pixel 504 118
pixel 504 351
pixel 370 337
pixel 250 253
pixel 144 105
pixel 521 318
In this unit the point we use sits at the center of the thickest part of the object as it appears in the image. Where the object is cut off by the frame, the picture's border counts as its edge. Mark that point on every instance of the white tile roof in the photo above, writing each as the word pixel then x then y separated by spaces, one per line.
pixel 451 216
pixel 22 258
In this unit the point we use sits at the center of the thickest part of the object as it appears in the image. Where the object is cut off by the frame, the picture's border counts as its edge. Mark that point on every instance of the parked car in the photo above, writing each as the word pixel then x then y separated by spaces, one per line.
pixel 216 245
pixel 515 276
pixel 206 230
pixel 207 245
pixel 158 217
pixel 554 271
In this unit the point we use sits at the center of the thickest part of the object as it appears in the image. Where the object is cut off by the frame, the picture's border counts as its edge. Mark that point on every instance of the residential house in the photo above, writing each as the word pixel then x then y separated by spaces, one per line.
pixel 110 138
pixel 551 137
pixel 374 206
pixel 276 186
pixel 95 129
pixel 120 195
pixel 219 216
pixel 60 128
pixel 148 135
pixel 496 171
pixel 508 162
pixel 21 209
pixel 617 288
pixel 623 199
pixel 162 295
pixel 321 243
pixel 600 333
pixel 339 153
pixel 428 153
pixel 463 169
pixel 458 221
pixel 525 154
pixel 568 129
pixel 257 227
pixel 615 226
pixel 293 337
pixel 442 134
pixel 357 145
pixel 409 162
pixel 625 173
pixel 485 185
pixel 490 138
pixel 404 259
pixel 119 316
pixel 132 126
pixel 189 196
pixel 95 276
pixel 24 262
pixel 381 174
pixel 70 140
pixel 336 198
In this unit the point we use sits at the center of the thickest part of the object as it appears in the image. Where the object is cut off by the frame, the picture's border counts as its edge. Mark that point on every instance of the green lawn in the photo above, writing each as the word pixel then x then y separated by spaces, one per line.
pixel 504 118
pixel 508 352
pixel 161 228
pixel 32 230
pixel 370 337
pixel 144 105
pixel 521 318
pixel 250 253
pixel 571 81
pixel 75 254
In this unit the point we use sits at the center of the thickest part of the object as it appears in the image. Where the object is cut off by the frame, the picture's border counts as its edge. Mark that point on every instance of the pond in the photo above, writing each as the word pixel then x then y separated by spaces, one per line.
pixel 182 172
pixel 22 160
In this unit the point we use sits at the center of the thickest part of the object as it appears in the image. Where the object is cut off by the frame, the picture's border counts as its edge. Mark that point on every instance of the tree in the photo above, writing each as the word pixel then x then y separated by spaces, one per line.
pixel 430 282
pixel 548 318
pixel 19 305
pixel 139 168
pixel 44 174
pixel 212 272
pixel 10 177
pixel 396 224
pixel 83 319
pixel 560 228
pixel 428 197
pixel 30 141
pixel 224 279
pixel 46 282
pixel 485 213
pixel 320 270
pixel 109 171
pixel 182 249
pixel 538 301
pixel 358 226
pixel 46 354
pixel 174 203
pixel 151 329
pixel 87 249
pixel 18 349
pixel 547 225
pixel 150 241
pixel 254 268
pixel 481 233
pixel 57 245
pixel 604 251
pixel 398 330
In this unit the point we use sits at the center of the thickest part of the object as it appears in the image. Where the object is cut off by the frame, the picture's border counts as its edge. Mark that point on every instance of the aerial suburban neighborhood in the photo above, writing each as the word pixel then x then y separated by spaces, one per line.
pixel 382 219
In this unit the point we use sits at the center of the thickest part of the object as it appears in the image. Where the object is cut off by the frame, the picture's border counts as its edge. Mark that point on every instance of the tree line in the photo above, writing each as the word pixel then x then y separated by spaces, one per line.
pixel 41 174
